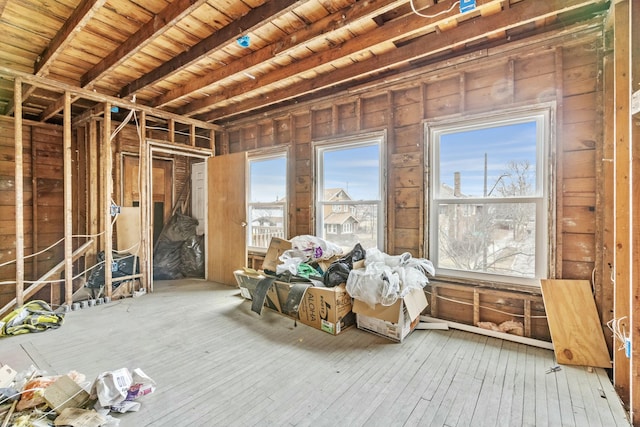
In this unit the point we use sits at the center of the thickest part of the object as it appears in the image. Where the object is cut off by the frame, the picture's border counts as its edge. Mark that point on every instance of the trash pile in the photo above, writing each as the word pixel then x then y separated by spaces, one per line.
pixel 34 399
pixel 371 276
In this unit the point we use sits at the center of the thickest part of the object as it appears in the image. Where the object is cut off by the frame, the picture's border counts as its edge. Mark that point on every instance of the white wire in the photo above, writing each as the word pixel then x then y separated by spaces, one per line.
pixel 178 132
pixel 620 335
pixel 486 308
pixel 413 7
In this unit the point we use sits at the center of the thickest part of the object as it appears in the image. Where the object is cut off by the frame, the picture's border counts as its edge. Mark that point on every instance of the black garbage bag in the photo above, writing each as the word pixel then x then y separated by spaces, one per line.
pixel 125 266
pixel 167 253
pixel 179 228
pixel 192 257
pixel 339 270
pixel 166 260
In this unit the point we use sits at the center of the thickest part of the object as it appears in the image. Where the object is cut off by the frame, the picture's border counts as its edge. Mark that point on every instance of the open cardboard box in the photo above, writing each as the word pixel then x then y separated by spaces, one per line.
pixel 394 322
pixel 326 309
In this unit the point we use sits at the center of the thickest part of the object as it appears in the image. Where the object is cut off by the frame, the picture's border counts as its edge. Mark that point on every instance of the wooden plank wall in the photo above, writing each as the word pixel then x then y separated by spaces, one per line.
pixel 565 70
pixel 43 213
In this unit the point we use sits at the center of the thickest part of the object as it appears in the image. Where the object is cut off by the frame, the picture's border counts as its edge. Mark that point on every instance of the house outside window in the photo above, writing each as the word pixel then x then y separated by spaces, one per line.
pixel 490 195
pixel 350 191
pixel 267 201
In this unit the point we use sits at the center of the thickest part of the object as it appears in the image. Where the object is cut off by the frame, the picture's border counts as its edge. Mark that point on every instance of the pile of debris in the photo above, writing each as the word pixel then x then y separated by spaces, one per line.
pixel 33 398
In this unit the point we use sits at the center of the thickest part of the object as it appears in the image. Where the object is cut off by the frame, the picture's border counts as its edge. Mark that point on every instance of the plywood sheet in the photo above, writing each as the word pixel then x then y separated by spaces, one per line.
pixel 573 321
pixel 128 229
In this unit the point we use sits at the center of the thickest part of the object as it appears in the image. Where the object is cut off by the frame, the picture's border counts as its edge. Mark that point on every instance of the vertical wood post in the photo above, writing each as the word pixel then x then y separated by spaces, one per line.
pixel 68 201
pixel 93 190
pixel 634 142
pixel 107 186
pixel 17 94
pixel 622 196
pixel 145 226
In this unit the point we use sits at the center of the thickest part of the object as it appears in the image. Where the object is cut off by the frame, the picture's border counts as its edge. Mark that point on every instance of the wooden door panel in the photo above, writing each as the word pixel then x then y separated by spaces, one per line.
pixel 226 234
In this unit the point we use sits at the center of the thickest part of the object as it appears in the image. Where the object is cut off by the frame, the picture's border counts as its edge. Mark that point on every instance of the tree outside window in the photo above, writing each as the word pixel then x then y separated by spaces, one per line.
pixel 489 198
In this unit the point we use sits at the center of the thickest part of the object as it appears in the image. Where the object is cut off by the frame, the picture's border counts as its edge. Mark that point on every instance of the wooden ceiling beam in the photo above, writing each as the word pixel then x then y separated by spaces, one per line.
pixel 354 12
pixel 225 35
pixel 3 4
pixel 429 44
pixel 154 28
pixel 58 86
pixel 78 19
pixel 391 31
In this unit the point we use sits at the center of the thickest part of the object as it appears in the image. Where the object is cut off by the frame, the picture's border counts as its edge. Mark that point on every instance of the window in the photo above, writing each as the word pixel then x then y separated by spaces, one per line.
pixel 350 191
pixel 489 197
pixel 267 196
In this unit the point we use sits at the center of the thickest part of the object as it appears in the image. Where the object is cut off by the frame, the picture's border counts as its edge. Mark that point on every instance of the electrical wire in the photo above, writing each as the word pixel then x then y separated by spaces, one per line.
pixel 484 307
pixel 178 132
pixel 619 331
pixel 413 7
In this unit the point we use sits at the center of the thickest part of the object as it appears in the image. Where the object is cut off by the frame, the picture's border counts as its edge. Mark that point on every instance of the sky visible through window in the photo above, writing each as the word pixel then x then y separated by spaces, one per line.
pixel 464 152
pixel 356 170
pixel 268 180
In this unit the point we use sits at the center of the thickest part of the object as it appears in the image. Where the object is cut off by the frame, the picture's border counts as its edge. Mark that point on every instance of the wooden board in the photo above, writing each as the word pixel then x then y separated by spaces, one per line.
pixel 226 210
pixel 576 333
pixel 128 229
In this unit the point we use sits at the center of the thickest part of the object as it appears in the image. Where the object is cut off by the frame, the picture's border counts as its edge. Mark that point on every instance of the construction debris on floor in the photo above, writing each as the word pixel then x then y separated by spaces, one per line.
pixel 34 399
pixel 34 316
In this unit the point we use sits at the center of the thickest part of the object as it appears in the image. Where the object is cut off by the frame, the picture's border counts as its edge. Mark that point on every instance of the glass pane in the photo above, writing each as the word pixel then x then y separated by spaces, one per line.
pixel 266 222
pixel 268 182
pixel 497 161
pixel 351 224
pixel 490 238
pixel 355 170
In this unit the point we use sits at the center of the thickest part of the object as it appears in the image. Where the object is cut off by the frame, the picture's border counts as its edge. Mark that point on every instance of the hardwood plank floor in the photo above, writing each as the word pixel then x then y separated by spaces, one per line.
pixel 216 363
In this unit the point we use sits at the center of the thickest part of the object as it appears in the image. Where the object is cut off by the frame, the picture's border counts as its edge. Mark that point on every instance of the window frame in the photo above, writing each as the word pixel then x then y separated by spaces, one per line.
pixel 544 115
pixel 262 155
pixel 355 141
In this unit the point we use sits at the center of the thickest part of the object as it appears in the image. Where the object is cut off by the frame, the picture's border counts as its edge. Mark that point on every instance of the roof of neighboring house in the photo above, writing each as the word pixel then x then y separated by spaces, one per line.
pixel 339 218
pixel 333 193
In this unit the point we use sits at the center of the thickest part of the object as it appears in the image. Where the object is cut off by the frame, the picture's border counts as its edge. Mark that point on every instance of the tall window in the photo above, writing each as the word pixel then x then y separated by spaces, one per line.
pixel 267 196
pixel 489 197
pixel 350 191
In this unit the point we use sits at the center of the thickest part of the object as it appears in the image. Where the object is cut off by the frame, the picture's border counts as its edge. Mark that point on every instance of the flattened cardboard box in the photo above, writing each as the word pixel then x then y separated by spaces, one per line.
pixel 247 282
pixel 394 322
pixel 327 309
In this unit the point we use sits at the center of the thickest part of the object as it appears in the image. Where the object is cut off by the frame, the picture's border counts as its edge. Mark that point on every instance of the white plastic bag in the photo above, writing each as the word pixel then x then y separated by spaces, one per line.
pixel 376 284
pixel 315 248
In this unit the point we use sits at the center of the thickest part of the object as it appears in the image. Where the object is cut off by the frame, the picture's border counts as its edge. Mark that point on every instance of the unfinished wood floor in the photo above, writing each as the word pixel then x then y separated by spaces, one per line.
pixel 216 363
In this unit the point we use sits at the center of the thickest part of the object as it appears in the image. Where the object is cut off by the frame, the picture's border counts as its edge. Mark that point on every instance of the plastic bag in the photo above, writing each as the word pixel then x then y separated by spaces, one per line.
pixel 315 248
pixel 288 264
pixel 376 284
pixel 192 257
pixel 338 272
pixel 387 278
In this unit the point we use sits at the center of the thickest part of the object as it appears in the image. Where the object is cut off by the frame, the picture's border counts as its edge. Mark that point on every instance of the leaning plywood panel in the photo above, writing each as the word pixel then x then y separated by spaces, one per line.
pixel 128 229
pixel 573 321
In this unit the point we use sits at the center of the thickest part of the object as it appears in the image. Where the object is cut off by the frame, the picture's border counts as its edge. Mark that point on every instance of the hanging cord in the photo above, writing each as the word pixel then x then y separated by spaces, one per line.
pixel 413 7
pixel 484 307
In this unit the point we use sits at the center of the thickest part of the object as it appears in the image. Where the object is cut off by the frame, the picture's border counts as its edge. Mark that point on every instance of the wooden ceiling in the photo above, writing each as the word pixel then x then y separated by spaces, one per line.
pixel 186 56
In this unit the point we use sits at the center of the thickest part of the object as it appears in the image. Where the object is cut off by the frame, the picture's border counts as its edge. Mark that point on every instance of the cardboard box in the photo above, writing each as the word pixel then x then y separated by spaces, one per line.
pixel 326 309
pixel 394 322
pixel 247 282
